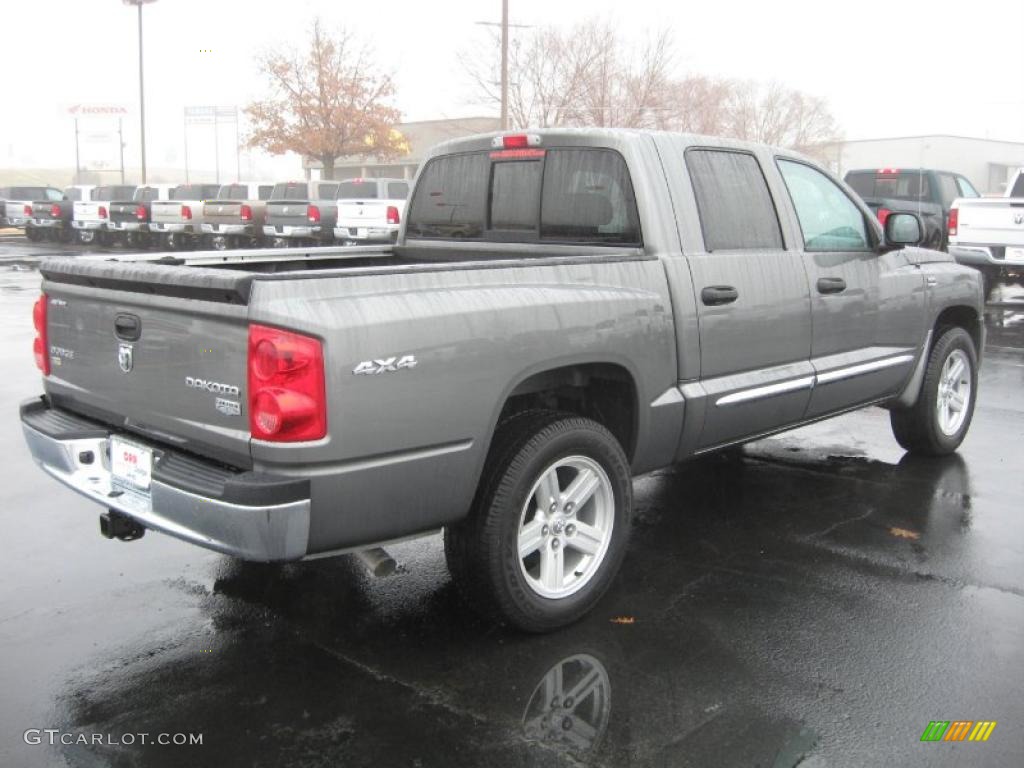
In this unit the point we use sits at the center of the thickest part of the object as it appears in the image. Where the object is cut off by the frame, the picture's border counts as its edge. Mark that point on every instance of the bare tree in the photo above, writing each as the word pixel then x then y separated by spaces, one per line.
pixel 330 102
pixel 586 75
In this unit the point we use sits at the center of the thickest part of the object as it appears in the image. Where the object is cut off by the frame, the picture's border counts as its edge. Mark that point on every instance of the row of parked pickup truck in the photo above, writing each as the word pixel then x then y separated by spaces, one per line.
pixel 184 216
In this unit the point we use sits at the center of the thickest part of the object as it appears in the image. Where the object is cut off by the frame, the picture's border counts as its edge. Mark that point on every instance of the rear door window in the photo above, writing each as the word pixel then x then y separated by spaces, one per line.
pixel 54 194
pixel 735 207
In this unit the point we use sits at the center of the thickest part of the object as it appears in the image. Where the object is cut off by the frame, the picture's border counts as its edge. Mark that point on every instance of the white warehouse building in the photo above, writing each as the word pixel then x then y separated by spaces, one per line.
pixel 987 163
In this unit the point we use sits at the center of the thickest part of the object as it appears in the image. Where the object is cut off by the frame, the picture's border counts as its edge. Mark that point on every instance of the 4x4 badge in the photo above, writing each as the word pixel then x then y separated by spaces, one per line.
pixel 125 358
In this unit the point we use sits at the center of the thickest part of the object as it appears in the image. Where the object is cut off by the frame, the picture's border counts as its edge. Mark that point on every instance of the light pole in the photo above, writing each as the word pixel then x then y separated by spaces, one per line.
pixel 142 90
pixel 504 57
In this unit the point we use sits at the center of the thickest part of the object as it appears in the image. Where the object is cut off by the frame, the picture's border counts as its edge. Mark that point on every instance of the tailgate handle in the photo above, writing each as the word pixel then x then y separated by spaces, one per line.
pixel 127 327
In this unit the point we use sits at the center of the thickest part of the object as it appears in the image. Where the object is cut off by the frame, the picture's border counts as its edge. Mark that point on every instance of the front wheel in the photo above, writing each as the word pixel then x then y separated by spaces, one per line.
pixel 548 528
pixel 939 420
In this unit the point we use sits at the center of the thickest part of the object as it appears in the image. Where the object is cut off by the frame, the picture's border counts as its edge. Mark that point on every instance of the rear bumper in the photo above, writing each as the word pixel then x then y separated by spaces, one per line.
pixel 90 226
pixel 250 515
pixel 129 226
pixel 47 223
pixel 173 227
pixel 16 221
pixel 287 230
pixel 381 232
pixel 247 230
pixel 985 256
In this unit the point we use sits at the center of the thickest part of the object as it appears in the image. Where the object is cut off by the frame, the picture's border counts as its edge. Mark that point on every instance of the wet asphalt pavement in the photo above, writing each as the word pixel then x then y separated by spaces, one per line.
pixel 814 599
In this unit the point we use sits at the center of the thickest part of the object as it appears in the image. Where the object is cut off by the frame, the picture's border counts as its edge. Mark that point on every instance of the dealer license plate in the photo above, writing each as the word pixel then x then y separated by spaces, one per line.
pixel 130 464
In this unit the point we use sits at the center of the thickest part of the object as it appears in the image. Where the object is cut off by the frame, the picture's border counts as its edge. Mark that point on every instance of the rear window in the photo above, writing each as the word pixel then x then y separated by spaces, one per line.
pixel 194 192
pixel 73 193
pixel 398 190
pixel 265 191
pixel 735 207
pixel 290 190
pixel 147 194
pixel 557 195
pixel 233 192
pixel 358 189
pixel 27 193
pixel 113 193
pixel 327 191
pixel 897 185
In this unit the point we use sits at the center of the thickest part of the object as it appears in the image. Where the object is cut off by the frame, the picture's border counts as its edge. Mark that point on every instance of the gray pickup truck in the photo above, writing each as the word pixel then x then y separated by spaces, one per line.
pixel 562 310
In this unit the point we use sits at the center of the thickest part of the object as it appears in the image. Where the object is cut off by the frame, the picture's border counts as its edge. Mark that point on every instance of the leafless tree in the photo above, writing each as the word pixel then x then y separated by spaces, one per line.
pixel 328 102
pixel 587 75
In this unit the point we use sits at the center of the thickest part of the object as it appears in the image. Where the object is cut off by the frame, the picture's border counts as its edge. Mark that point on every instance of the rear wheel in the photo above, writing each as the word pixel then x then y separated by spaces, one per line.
pixel 939 420
pixel 548 528
pixel 33 234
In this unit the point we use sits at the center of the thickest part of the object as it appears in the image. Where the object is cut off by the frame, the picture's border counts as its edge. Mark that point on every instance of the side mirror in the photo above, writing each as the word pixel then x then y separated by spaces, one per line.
pixel 903 229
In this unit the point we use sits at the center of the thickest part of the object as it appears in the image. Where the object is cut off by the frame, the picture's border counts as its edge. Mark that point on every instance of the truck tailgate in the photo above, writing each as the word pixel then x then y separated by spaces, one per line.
pixel 986 221
pixel 360 213
pixel 165 211
pixel 157 350
pixel 86 211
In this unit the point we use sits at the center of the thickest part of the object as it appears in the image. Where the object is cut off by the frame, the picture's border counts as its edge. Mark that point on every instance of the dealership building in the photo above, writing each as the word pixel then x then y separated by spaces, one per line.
pixel 987 163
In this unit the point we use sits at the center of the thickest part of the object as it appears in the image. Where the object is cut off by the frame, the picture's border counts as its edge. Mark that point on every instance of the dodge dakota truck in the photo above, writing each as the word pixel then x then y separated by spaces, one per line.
pixel 301 213
pixel 236 217
pixel 928 193
pixel 91 217
pixel 988 233
pixel 563 310
pixel 129 219
pixel 370 210
pixel 178 222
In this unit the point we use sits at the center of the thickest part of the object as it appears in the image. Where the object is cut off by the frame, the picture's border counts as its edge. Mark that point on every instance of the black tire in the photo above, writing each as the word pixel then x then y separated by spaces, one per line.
pixel 87 236
pixel 917 429
pixel 482 550
pixel 33 234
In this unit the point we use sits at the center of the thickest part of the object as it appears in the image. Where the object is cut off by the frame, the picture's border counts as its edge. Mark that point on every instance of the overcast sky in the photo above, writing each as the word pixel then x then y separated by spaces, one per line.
pixel 894 68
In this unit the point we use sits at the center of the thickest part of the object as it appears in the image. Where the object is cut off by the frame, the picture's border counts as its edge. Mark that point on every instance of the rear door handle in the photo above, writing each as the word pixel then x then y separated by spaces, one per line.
pixel 715 295
pixel 831 285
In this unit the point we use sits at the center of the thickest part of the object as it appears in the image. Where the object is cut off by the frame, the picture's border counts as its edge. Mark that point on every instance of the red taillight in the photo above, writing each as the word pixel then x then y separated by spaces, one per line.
pixel 140 212
pixel 55 211
pixel 883 214
pixel 286 386
pixel 186 212
pixel 392 215
pixel 246 212
pixel 313 214
pixel 952 221
pixel 39 346
pixel 888 171
pixel 28 210
pixel 103 211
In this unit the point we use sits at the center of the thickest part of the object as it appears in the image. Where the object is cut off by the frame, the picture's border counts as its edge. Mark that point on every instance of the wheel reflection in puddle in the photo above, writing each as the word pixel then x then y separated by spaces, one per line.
pixel 571 705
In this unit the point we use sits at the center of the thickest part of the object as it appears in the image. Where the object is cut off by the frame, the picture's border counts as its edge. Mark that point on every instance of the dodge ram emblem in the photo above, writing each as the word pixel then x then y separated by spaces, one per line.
pixel 1018 218
pixel 124 358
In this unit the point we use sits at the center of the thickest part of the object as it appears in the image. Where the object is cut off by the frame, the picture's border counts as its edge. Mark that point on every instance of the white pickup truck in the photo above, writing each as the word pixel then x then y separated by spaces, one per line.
pixel 90 217
pixel 178 222
pixel 988 233
pixel 370 210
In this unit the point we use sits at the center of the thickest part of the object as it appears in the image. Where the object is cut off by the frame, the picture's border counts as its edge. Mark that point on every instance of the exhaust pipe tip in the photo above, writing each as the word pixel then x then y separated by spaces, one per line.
pixel 377 561
pixel 116 525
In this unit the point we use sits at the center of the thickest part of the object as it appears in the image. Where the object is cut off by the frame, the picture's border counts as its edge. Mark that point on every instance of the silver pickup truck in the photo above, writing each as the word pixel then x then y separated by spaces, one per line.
pixel 562 310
